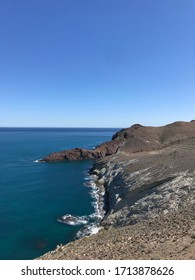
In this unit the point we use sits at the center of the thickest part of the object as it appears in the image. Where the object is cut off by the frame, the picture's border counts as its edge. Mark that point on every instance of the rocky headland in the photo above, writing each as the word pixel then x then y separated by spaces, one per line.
pixel 148 174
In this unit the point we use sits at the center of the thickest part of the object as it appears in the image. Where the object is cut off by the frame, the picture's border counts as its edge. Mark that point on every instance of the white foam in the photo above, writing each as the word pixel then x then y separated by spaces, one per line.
pixel 95 229
pixel 88 230
pixel 91 177
pixel 92 185
pixel 94 219
pixel 37 160
pixel 73 220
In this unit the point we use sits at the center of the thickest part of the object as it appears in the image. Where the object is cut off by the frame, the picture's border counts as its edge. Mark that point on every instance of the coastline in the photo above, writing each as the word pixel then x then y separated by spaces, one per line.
pixel 150 201
pixel 94 219
pixel 92 222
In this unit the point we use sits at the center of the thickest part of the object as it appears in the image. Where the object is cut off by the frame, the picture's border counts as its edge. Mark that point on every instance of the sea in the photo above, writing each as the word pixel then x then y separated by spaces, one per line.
pixel 34 196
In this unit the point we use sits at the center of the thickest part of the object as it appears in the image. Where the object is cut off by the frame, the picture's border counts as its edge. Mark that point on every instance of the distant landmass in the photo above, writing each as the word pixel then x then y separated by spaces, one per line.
pixel 148 174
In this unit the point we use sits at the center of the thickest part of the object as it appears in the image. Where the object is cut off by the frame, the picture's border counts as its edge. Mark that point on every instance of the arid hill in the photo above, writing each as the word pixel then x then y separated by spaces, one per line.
pixel 137 138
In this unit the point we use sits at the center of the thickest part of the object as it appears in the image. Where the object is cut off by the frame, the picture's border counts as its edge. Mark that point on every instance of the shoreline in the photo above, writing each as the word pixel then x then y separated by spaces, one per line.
pixel 91 222
pixel 97 194
pixel 149 198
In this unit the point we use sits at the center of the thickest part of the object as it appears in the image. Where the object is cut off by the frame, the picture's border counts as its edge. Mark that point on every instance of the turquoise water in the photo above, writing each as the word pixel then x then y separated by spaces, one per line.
pixel 33 195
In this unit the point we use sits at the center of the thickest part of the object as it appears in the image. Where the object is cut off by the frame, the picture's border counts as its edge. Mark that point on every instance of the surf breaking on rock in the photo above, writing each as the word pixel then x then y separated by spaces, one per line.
pixel 92 221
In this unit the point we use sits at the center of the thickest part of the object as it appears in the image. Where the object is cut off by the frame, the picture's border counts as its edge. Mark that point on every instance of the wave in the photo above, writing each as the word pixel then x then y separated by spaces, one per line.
pixel 88 230
pixel 73 220
pixel 37 160
pixel 98 195
pixel 92 221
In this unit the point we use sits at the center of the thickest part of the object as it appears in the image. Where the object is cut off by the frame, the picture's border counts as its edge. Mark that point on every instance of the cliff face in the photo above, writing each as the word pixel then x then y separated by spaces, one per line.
pixel 143 185
pixel 149 180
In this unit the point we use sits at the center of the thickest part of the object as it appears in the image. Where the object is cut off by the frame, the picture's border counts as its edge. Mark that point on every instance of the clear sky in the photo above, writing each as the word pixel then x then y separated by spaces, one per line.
pixel 96 63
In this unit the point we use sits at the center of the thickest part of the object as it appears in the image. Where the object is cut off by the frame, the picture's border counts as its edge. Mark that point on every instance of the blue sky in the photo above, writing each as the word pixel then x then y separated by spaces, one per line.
pixel 96 63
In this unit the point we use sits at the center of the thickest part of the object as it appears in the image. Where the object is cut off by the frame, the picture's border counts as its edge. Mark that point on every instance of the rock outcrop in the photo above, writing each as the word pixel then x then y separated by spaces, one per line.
pixel 136 138
pixel 100 151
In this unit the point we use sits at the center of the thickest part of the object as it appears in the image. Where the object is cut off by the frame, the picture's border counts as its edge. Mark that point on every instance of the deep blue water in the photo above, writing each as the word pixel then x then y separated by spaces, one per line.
pixel 33 195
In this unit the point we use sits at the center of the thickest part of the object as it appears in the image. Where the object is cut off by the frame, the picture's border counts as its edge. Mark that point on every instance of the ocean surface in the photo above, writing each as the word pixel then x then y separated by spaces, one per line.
pixel 34 195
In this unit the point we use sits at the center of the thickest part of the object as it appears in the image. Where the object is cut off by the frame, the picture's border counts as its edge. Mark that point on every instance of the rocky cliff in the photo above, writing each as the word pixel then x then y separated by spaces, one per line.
pixel 100 151
pixel 149 181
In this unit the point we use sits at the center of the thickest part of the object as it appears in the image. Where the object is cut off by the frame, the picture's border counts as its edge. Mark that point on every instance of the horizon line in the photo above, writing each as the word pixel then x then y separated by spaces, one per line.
pixel 59 127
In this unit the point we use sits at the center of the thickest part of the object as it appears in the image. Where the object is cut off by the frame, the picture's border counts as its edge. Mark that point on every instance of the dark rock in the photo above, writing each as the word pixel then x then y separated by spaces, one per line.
pixel 100 151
